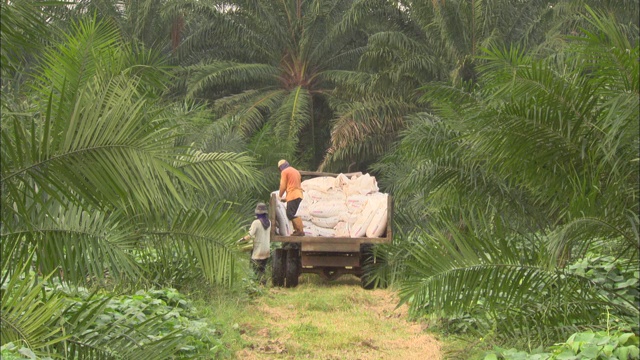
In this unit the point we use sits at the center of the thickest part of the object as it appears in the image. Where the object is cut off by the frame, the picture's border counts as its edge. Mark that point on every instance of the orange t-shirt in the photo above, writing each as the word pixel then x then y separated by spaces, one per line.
pixel 290 180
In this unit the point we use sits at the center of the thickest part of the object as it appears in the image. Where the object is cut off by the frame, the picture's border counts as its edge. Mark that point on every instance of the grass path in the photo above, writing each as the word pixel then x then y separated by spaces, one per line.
pixel 332 320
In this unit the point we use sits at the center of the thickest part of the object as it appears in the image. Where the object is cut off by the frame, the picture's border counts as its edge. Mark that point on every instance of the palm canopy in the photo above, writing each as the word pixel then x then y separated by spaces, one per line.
pixel 274 67
pixel 91 148
pixel 99 189
pixel 520 176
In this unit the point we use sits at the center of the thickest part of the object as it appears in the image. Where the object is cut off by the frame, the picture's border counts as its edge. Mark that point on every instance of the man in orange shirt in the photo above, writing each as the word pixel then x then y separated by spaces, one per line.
pixel 290 180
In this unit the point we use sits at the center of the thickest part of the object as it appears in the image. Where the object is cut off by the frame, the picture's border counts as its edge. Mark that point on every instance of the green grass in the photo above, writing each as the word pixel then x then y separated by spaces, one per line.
pixel 318 320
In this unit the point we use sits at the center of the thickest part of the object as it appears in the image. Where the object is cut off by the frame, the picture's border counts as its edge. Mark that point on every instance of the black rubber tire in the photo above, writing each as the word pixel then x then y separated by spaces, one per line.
pixel 292 268
pixel 366 258
pixel 366 283
pixel 278 267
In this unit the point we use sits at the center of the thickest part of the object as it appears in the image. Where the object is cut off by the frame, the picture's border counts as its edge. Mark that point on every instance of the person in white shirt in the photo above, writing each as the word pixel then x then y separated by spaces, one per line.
pixel 259 231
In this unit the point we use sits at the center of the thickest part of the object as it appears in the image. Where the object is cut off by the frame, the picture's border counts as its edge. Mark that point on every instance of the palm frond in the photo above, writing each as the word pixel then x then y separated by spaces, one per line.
pixel 219 74
pixel 197 129
pixel 455 272
pixel 292 115
pixel 211 233
pixel 361 82
pixel 26 316
pixel 580 234
pixel 23 31
pixel 365 130
pixel 230 33
pixel 220 173
pixel 74 244
pixel 80 65
pixel 251 109
pixel 82 156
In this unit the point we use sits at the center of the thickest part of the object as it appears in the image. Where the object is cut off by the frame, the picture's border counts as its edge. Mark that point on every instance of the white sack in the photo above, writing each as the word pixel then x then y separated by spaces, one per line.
pixel 328 223
pixel 284 228
pixel 341 181
pixel 322 183
pixel 309 229
pixel 342 229
pixel 329 195
pixel 375 202
pixel 303 209
pixel 365 184
pixel 356 203
pixel 378 223
pixel 327 209
pixel 325 232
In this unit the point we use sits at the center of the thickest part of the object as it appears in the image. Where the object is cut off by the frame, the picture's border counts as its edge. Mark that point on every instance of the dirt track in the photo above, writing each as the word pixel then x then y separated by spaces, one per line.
pixel 337 321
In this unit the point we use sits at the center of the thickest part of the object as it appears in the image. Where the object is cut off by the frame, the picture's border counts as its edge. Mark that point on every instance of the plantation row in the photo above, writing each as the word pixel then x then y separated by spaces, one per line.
pixel 138 136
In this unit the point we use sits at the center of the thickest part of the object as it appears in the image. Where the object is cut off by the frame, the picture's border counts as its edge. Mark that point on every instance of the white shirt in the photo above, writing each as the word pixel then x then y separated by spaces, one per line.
pixel 261 242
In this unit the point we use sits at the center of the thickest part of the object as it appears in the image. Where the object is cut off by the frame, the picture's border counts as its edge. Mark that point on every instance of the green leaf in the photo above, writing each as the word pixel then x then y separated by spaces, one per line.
pixel 566 355
pixel 589 351
pixel 628 339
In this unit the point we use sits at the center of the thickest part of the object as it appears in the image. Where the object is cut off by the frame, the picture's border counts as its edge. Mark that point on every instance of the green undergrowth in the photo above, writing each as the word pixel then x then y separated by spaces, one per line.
pixel 586 345
pixel 465 336
pixel 173 313
pixel 600 345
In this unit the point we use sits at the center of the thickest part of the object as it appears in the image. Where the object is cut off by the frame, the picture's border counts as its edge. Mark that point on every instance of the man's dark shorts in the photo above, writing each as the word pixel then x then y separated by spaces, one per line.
pixel 292 208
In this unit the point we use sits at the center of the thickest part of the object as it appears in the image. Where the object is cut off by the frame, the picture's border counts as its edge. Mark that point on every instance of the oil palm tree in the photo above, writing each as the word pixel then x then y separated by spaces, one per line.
pixel 430 41
pixel 439 41
pixel 273 69
pixel 518 178
pixel 449 35
pixel 93 183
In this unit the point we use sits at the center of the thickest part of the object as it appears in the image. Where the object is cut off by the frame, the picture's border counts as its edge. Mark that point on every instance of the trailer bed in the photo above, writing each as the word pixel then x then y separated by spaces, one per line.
pixel 331 240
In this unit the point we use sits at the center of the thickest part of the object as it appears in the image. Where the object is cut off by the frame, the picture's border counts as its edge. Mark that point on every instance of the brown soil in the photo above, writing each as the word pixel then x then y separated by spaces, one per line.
pixel 369 327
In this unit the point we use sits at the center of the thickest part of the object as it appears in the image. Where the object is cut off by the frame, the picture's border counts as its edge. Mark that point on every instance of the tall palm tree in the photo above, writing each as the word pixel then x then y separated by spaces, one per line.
pixel 274 68
pixel 93 182
pixel 452 33
pixel 519 177
pixel 435 41
pixel 430 41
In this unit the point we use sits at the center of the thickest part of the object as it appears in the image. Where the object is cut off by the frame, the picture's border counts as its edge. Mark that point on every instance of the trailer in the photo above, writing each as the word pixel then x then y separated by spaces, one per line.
pixel 329 257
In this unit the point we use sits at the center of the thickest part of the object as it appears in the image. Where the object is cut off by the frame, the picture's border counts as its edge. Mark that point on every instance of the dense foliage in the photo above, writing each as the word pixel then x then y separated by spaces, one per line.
pixel 137 136
pixel 515 179
pixel 287 76
pixel 97 189
pixel 584 345
pixel 147 324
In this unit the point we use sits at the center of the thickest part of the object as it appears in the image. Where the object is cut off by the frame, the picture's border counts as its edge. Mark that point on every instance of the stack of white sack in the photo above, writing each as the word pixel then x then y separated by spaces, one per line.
pixel 343 207
pixel 285 227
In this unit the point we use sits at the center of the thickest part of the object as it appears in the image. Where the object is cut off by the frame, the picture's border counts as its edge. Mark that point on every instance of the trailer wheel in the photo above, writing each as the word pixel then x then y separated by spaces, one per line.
pixel 278 267
pixel 366 282
pixel 292 269
pixel 366 261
